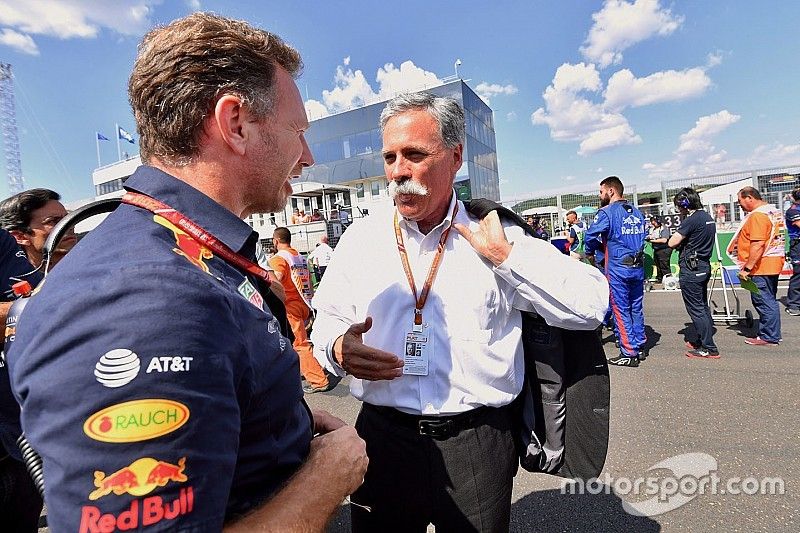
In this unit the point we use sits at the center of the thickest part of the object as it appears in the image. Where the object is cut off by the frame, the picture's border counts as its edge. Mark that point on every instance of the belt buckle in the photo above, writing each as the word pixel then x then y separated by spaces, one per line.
pixel 437 429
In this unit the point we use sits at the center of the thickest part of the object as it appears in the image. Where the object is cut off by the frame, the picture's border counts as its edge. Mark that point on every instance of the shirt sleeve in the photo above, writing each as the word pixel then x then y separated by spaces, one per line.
pixel 151 399
pixel 792 215
pixel 760 227
pixel 566 293
pixel 686 226
pixel 14 266
pixel 597 230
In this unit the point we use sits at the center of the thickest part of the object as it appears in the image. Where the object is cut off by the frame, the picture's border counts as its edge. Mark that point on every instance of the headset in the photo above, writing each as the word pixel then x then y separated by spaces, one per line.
pixel 682 199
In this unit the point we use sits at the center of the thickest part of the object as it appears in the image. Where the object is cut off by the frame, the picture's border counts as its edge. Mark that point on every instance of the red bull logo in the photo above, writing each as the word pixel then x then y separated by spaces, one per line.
pixel 141 512
pixel 189 248
pixel 139 478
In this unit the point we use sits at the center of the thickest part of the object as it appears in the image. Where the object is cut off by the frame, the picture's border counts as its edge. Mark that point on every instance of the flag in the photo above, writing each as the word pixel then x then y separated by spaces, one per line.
pixel 125 135
pixel 101 137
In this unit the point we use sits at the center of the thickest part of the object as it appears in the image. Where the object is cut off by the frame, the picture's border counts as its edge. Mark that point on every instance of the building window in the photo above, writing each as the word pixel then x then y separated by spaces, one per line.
pixel 376 188
pixel 360 190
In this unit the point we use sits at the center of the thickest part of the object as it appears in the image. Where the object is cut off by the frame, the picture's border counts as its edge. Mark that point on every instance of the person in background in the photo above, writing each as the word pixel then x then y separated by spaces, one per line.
pixel 695 240
pixel 539 231
pixel 662 253
pixel 575 240
pixel 793 226
pixel 304 217
pixel 295 216
pixel 320 256
pixel 316 216
pixel 29 217
pixel 759 249
pixel 619 229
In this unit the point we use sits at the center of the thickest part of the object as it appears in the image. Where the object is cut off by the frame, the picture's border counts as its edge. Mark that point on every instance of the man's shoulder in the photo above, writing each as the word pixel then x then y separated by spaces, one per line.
pixel 793 213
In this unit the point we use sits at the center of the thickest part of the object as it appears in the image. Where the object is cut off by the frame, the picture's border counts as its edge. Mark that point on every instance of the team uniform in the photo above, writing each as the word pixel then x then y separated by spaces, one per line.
pixel 698 231
pixel 793 295
pixel 154 380
pixel 661 252
pixel 296 281
pixel 619 230
pixel 577 232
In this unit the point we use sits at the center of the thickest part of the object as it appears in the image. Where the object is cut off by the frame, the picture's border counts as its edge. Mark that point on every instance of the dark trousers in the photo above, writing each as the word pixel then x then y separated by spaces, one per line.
pixel 694 289
pixel 20 503
pixel 793 296
pixel 662 256
pixel 769 313
pixel 458 484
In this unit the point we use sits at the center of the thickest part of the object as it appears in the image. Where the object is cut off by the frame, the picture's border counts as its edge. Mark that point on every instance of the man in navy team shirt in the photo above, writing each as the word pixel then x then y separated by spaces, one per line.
pixel 793 227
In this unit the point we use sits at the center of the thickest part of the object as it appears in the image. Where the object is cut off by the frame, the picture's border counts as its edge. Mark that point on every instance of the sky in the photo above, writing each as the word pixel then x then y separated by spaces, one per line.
pixel 642 89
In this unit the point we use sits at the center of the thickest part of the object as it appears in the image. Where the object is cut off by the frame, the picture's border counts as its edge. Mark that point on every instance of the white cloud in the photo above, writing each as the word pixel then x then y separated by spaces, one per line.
pixel 626 90
pixel 569 178
pixel 620 24
pixel 194 5
pixel 407 78
pixel 352 89
pixel 315 109
pixel 572 117
pixel 19 41
pixel 598 169
pixel 696 152
pixel 713 59
pixel 489 90
pixel 511 116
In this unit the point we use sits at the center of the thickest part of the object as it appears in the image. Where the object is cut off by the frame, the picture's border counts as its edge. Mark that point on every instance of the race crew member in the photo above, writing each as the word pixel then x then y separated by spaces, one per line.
pixel 577 231
pixel 793 227
pixel 619 229
pixel 759 249
pixel 291 269
pixel 695 240
pixel 320 256
pixel 662 253
pixel 20 503
pixel 154 378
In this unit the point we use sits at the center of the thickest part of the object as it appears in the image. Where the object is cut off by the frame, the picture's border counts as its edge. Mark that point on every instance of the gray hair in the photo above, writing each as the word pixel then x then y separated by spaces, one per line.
pixel 447 112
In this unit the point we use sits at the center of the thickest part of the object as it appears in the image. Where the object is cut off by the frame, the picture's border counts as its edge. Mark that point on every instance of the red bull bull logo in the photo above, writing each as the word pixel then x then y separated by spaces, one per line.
pixel 141 512
pixel 189 248
pixel 136 420
pixel 139 478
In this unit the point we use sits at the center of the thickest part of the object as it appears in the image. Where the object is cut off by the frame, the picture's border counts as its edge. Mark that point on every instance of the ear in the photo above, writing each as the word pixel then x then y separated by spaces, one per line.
pixel 458 157
pixel 22 238
pixel 230 123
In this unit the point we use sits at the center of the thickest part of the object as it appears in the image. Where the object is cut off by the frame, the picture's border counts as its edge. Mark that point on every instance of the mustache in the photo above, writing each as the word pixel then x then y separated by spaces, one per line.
pixel 407 186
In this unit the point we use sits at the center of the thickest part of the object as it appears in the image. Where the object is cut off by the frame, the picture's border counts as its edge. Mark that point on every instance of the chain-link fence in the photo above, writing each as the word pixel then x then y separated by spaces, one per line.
pixel 719 192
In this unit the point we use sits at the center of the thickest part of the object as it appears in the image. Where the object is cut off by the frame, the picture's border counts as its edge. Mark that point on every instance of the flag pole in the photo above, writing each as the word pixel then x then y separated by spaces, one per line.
pixel 119 150
pixel 97 144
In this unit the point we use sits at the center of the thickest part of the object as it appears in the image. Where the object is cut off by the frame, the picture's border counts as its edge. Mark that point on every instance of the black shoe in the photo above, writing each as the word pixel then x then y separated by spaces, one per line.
pixel 793 312
pixel 332 382
pixel 623 360
pixel 616 343
pixel 643 354
pixel 693 345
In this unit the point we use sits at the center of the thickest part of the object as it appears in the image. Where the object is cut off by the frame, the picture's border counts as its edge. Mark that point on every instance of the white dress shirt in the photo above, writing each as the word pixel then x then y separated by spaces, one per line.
pixel 321 255
pixel 472 309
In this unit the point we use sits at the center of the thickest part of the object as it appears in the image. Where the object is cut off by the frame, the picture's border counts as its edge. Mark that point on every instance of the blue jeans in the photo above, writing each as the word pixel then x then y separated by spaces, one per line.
pixel 769 314
pixel 793 296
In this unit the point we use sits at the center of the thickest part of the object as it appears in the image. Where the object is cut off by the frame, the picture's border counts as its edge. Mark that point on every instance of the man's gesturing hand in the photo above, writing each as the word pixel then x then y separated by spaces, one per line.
pixel 362 361
pixel 490 239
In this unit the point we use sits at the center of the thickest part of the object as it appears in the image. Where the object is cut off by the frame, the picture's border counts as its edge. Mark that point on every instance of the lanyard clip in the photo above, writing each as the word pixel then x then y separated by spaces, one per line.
pixel 417 320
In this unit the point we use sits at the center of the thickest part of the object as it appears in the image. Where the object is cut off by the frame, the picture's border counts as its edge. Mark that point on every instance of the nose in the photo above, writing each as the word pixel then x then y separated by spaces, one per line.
pixel 397 170
pixel 307 158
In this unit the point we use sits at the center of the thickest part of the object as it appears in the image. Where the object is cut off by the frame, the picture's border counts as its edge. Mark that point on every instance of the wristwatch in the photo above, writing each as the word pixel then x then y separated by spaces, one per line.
pixel 746 269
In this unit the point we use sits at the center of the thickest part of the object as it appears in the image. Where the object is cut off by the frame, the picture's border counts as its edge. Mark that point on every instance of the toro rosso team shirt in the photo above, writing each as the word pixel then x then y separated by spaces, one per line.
pixel 154 382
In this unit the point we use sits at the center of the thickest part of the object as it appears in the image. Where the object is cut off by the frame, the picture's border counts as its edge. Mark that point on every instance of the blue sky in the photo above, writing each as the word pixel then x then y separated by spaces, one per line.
pixel 643 89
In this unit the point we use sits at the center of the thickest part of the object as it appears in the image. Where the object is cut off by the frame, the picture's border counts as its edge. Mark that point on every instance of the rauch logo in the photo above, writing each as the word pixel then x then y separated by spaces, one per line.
pixel 136 420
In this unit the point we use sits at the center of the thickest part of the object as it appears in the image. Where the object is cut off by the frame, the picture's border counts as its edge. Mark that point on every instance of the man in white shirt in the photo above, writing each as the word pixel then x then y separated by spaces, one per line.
pixel 436 422
pixel 321 256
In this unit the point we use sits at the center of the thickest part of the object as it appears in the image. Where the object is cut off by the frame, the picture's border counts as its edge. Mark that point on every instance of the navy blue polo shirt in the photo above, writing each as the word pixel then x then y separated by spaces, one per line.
pixel 154 382
pixel 792 216
pixel 698 230
pixel 14 266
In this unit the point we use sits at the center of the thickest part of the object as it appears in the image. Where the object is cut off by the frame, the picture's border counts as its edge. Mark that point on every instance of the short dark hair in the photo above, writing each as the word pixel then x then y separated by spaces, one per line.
pixel 615 183
pixel 656 219
pixel 16 211
pixel 182 69
pixel 688 198
pixel 750 192
pixel 796 194
pixel 282 235
pixel 568 213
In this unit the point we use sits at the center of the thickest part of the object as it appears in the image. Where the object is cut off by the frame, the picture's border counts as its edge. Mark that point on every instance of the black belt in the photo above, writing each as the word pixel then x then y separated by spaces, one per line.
pixel 437 427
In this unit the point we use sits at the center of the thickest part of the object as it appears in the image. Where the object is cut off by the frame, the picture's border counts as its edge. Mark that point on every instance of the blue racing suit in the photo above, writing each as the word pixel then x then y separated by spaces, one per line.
pixel 619 230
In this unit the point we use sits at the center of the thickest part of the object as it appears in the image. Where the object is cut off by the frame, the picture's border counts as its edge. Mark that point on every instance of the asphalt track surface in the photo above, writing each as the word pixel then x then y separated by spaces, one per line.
pixel 743 410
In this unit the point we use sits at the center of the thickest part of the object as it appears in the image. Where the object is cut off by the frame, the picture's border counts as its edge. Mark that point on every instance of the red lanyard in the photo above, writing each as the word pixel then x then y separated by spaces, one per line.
pixel 419 302
pixel 196 232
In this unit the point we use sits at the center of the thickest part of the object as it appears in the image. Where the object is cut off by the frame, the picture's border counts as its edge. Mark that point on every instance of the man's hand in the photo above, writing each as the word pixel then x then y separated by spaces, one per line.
pixel 744 276
pixel 324 422
pixel 362 361
pixel 490 239
pixel 339 458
